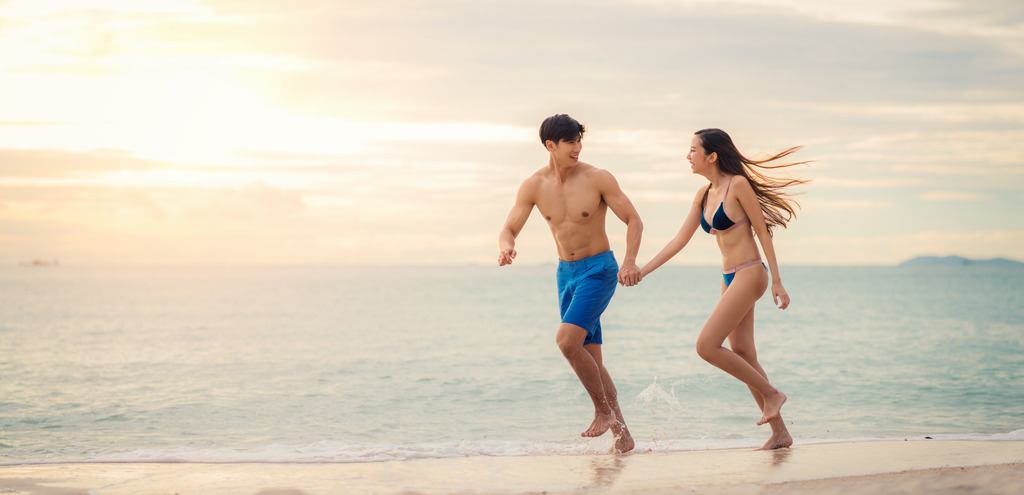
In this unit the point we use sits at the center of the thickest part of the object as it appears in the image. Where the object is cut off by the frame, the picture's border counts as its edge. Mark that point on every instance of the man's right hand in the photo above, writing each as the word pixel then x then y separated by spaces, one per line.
pixel 506 256
pixel 629 274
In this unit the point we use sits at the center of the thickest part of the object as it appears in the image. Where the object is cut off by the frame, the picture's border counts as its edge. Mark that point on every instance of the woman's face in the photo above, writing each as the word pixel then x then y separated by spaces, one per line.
pixel 700 162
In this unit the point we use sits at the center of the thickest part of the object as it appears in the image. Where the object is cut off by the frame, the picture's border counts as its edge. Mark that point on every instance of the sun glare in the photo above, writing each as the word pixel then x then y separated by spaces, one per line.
pixel 200 117
pixel 44 7
pixel 174 107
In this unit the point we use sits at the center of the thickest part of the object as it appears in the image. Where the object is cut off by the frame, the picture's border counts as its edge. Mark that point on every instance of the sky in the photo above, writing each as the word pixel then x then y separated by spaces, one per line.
pixel 301 132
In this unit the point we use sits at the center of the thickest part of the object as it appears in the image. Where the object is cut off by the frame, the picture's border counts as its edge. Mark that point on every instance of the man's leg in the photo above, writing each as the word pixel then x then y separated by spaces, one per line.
pixel 570 341
pixel 623 440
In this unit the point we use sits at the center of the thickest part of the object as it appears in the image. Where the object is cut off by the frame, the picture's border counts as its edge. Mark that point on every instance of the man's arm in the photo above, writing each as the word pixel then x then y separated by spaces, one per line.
pixel 629 273
pixel 514 223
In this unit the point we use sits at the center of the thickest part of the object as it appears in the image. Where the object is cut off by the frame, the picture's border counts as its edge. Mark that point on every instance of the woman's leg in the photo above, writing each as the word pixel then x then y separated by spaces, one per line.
pixel 741 341
pixel 747 286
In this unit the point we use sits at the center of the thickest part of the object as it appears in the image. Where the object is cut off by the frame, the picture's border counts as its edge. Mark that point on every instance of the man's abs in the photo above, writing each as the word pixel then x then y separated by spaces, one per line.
pixel 578 243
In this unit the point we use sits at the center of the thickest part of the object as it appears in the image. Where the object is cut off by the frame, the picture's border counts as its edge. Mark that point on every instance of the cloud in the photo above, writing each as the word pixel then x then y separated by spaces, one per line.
pixel 455 61
pixel 356 128
pixel 821 204
pixel 959 113
pixel 85 203
pixel 27 123
pixel 951 196
pixel 396 53
pixel 1001 20
pixel 97 224
pixel 55 164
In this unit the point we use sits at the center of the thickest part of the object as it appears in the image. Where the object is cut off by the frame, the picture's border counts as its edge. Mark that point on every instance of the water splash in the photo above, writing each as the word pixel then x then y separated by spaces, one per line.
pixel 653 397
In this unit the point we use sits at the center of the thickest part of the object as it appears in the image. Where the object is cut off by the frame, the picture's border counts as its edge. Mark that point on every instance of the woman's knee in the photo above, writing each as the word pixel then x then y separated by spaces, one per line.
pixel 748 353
pixel 706 349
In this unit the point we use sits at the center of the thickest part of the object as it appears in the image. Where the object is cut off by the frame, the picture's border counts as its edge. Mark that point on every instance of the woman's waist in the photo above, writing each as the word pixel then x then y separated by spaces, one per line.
pixel 737 257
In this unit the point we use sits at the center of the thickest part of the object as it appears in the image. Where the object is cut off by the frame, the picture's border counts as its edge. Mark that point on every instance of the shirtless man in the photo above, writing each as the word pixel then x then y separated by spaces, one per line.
pixel 574 198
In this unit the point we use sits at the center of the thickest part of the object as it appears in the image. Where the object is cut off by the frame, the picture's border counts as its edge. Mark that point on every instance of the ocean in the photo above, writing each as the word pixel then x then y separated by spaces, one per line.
pixel 363 364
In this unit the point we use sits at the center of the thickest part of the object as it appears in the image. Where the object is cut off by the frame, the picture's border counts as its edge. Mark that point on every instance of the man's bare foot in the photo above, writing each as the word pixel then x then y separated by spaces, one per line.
pixel 778 441
pixel 772 406
pixel 602 422
pixel 623 440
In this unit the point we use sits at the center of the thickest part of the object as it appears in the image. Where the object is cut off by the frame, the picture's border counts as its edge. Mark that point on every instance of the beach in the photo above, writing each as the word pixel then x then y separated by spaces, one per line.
pixel 385 381
pixel 920 466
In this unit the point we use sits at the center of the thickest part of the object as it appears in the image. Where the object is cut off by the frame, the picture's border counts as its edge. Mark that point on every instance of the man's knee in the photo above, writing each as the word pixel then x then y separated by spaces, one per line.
pixel 569 349
pixel 570 340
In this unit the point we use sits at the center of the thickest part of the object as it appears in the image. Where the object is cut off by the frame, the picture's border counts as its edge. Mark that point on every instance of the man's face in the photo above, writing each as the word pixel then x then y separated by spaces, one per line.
pixel 567 152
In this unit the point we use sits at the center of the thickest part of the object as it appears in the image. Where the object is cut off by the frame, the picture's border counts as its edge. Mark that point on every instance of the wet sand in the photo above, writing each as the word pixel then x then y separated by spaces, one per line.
pixel 924 466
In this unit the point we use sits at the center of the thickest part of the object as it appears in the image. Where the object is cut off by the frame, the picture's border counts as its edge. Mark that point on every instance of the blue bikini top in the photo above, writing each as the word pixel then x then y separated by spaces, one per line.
pixel 720 222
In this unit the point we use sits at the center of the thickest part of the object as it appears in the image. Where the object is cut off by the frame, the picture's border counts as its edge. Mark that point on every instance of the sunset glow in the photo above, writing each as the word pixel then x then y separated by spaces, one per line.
pixel 304 132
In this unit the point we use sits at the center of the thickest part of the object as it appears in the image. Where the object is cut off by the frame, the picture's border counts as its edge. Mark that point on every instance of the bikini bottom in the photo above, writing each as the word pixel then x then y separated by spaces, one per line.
pixel 729 274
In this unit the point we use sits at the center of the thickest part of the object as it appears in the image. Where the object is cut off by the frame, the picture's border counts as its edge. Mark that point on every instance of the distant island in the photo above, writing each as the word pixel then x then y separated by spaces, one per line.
pixel 958 261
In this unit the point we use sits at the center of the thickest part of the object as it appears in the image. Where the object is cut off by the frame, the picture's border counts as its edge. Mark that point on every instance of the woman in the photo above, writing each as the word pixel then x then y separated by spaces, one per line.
pixel 739 202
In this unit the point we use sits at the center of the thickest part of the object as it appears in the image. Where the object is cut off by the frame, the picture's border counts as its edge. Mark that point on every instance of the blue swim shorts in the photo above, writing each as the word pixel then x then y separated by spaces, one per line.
pixel 585 288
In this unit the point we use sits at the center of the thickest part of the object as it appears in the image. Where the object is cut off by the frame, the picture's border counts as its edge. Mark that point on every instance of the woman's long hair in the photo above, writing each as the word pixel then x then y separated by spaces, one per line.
pixel 778 207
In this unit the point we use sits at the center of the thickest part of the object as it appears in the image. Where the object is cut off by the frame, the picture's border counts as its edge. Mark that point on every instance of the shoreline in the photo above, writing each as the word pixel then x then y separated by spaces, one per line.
pixel 933 466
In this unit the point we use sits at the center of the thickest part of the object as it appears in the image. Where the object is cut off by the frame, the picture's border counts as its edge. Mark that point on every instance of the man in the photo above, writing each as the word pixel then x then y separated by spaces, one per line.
pixel 574 197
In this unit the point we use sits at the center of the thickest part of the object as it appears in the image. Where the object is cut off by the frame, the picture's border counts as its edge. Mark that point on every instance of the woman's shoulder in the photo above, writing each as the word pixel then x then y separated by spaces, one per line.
pixel 740 183
pixel 702 194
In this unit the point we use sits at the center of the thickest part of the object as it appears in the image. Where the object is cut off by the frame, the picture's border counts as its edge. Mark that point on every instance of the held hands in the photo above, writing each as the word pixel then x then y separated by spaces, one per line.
pixel 629 274
pixel 505 256
pixel 779 295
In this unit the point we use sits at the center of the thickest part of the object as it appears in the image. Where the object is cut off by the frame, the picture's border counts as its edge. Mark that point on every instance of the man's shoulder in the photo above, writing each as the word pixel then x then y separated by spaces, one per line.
pixel 538 176
pixel 533 182
pixel 595 173
pixel 588 169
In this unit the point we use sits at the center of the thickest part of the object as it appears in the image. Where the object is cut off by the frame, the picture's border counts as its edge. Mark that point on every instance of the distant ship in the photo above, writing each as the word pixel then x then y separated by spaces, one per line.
pixel 40 263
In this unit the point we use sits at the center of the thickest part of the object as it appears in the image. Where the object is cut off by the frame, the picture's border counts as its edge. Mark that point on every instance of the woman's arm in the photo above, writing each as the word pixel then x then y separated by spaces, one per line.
pixel 682 237
pixel 748 200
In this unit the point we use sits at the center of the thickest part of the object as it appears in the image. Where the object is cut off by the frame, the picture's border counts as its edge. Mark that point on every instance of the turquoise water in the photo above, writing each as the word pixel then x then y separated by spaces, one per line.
pixel 362 364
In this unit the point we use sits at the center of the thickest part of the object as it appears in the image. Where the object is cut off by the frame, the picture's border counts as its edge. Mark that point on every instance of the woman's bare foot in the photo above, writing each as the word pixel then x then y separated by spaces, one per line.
pixel 772 406
pixel 602 422
pixel 778 441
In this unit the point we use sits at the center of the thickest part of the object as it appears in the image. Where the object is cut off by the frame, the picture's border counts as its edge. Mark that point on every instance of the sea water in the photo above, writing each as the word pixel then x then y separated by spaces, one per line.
pixel 358 364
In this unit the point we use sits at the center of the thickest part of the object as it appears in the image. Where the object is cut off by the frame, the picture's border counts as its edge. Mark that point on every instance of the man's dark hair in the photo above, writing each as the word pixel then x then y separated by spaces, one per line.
pixel 561 127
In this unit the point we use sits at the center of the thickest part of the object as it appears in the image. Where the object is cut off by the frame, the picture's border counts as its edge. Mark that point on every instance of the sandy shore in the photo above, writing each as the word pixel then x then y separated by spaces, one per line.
pixel 926 466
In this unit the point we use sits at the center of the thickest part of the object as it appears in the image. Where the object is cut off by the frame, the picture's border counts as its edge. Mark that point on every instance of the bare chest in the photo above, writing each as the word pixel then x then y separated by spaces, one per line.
pixel 561 203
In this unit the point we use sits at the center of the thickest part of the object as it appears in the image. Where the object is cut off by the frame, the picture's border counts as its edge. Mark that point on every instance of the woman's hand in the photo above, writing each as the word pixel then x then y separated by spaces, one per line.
pixel 629 274
pixel 779 295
